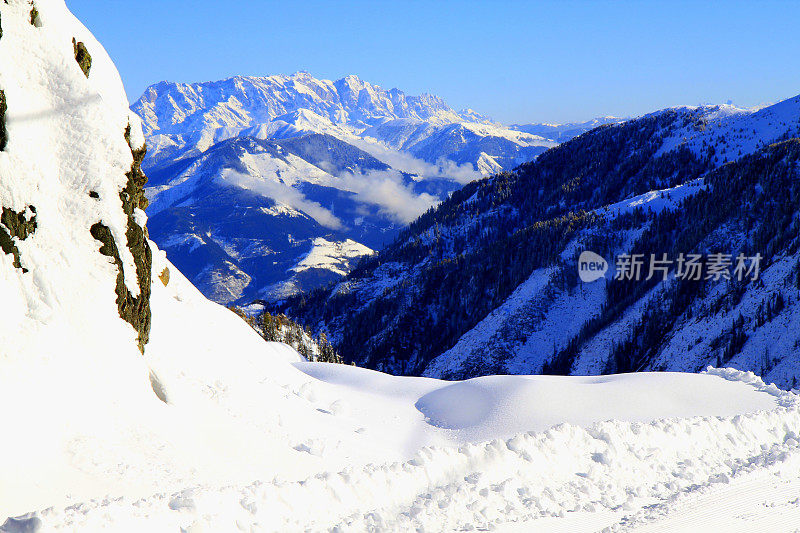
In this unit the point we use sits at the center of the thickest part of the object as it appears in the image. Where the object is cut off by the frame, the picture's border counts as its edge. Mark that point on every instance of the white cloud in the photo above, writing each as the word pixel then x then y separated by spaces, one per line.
pixel 282 193
pixel 387 189
pixel 444 168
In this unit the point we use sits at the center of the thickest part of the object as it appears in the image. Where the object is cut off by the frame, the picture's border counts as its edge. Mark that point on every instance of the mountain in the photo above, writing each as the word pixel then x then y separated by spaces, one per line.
pixel 130 402
pixel 246 174
pixel 185 116
pixel 240 218
pixel 488 281
pixel 565 132
pixel 347 101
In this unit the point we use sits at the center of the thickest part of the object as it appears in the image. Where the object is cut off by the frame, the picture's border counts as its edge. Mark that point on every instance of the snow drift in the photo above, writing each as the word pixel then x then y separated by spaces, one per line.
pixel 212 429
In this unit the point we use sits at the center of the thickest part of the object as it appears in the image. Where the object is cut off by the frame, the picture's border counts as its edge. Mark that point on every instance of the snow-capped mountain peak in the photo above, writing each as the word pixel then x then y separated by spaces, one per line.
pixel 374 157
pixel 243 101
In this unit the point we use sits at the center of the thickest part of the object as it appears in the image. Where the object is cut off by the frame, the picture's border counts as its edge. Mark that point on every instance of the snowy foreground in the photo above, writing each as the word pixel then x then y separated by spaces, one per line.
pixel 254 439
pixel 250 437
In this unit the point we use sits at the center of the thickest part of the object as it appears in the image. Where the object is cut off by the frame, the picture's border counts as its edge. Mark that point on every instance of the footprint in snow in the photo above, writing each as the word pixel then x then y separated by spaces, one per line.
pixel 307 391
pixel 309 447
pixel 29 523
pixel 339 408
pixel 182 501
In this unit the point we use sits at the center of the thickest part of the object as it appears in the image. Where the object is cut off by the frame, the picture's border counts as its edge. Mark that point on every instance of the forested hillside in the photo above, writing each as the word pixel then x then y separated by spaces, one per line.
pixel 488 282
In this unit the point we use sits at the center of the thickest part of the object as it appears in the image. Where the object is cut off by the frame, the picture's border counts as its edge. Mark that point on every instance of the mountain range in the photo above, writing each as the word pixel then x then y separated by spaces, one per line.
pixel 488 281
pixel 274 189
pixel 248 175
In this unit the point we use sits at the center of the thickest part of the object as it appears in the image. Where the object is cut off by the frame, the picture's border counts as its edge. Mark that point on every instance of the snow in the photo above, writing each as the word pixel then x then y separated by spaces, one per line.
pixel 523 302
pixel 228 281
pixel 204 137
pixel 488 165
pixel 192 240
pixel 35 111
pixel 565 132
pixel 655 201
pixel 483 408
pixel 778 338
pixel 333 256
pixel 735 132
pixel 249 436
pixel 193 117
pixel 177 108
pixel 439 478
pixel 518 137
pixel 536 319
pixel 757 499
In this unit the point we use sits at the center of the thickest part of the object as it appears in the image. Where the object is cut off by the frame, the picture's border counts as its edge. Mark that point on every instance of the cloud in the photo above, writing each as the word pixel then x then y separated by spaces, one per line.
pixel 388 190
pixel 284 194
pixel 444 168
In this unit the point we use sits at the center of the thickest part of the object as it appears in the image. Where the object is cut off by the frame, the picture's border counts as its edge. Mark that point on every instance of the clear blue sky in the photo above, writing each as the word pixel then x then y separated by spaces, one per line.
pixel 517 61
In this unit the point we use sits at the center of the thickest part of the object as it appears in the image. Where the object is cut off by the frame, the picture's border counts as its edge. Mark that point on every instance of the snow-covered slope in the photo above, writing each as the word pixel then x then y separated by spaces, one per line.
pixel 238 218
pixel 493 270
pixel 346 155
pixel 726 133
pixel 565 132
pixel 540 319
pixel 326 262
pixel 192 117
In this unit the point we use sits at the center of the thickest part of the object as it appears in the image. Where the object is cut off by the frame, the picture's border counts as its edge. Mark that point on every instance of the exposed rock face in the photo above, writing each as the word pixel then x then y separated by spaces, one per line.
pixel 134 310
pixel 34 15
pixel 164 277
pixel 82 56
pixel 3 109
pixel 16 225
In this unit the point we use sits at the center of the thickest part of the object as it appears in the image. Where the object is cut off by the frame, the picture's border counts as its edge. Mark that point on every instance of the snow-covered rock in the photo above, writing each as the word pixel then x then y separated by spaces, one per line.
pixel 326 262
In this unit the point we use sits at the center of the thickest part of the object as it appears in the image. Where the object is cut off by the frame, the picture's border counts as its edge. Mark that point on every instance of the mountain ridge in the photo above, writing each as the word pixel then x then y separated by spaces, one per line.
pixel 349 142
pixel 346 100
pixel 507 245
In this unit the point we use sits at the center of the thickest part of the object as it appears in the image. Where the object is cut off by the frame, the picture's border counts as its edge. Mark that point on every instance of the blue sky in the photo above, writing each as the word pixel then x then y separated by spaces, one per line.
pixel 517 61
